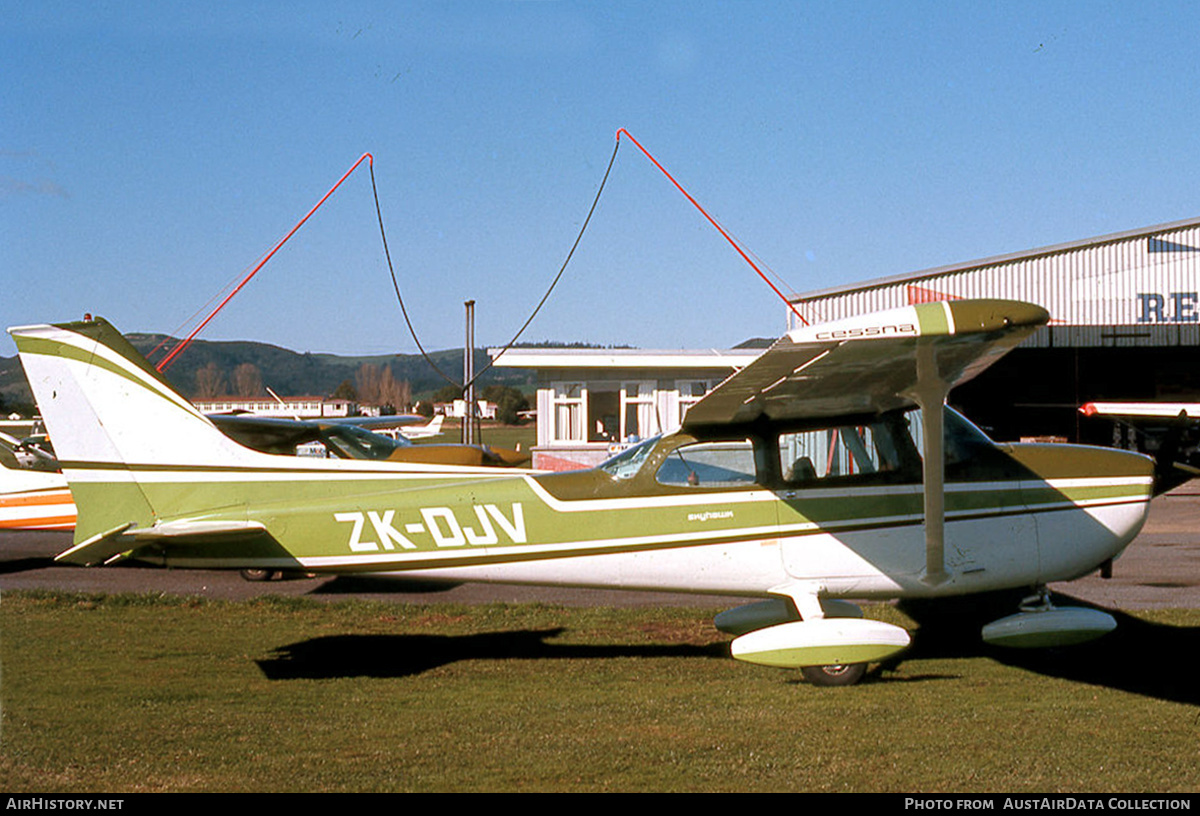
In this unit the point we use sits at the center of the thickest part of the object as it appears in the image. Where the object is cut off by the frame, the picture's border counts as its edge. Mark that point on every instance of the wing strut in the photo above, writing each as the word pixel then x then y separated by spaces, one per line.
pixel 930 394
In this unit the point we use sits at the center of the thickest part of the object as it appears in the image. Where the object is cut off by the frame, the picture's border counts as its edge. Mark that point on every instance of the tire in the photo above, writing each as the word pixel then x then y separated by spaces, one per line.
pixel 844 675
pixel 258 574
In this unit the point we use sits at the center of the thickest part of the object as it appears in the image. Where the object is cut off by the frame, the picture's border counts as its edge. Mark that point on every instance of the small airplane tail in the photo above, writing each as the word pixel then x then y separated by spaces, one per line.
pixel 422 431
pixel 32 499
pixel 127 440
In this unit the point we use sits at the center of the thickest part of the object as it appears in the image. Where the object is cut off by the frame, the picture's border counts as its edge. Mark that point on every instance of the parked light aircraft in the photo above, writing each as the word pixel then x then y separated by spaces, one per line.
pixel 33 499
pixel 17 427
pixel 431 428
pixel 34 494
pixel 408 426
pixel 1168 430
pixel 346 440
pixel 1157 410
pixel 828 469
pixel 392 426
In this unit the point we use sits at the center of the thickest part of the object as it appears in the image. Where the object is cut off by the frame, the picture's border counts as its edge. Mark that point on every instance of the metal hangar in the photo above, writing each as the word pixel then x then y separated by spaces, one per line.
pixel 1125 325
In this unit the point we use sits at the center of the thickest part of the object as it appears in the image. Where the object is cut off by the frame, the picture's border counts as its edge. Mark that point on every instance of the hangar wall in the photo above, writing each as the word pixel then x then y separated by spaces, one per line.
pixel 1142 278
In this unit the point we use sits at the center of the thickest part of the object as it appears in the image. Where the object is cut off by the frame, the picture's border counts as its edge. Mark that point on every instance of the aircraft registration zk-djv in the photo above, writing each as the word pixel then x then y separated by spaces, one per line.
pixel 827 469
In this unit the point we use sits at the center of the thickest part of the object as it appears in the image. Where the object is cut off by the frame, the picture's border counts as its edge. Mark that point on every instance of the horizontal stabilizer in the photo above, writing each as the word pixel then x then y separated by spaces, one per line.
pixel 101 549
pixel 208 529
pixel 98 549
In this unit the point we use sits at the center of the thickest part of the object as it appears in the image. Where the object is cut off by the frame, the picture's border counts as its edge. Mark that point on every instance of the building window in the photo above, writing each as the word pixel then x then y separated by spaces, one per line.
pixel 690 392
pixel 638 416
pixel 568 410
pixel 604 411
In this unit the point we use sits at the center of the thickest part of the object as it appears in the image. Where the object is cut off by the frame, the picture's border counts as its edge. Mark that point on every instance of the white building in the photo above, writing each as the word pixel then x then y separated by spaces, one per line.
pixel 458 409
pixel 304 407
pixel 591 401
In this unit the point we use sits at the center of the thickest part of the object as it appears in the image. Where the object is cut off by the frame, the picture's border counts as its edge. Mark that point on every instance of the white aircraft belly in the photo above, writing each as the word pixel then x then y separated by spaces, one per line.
pixel 739 568
pixel 981 554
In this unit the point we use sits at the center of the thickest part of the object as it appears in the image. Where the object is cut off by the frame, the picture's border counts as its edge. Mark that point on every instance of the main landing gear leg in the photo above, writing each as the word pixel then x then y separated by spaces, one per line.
pixel 810 607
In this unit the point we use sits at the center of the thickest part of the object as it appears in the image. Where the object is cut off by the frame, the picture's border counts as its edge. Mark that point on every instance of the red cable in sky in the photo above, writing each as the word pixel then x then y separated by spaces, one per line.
pixel 166 361
pixel 703 212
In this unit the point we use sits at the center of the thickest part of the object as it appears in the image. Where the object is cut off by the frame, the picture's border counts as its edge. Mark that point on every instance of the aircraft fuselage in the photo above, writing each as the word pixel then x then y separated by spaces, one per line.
pixel 725 521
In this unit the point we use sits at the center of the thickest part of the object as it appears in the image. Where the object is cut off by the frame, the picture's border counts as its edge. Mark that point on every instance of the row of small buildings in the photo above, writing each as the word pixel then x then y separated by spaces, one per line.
pixel 304 407
pixel 311 407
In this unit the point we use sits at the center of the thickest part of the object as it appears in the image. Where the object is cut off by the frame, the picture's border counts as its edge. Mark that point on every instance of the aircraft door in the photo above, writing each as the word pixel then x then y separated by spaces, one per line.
pixel 852 507
pixel 849 498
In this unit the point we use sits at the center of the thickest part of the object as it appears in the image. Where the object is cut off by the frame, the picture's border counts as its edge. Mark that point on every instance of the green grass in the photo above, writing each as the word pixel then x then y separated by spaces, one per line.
pixel 139 693
pixel 496 435
pixel 509 436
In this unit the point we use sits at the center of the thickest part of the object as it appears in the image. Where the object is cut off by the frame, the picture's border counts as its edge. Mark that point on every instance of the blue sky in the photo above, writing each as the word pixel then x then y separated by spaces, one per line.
pixel 150 153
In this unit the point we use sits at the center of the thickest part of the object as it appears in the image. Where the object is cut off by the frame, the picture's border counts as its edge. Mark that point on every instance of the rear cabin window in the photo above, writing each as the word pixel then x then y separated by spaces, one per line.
pixel 882 451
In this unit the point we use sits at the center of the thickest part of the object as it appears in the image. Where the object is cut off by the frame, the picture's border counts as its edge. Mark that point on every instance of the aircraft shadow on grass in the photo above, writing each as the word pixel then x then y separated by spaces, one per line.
pixel 1117 660
pixel 378 585
pixel 1130 658
pixel 408 655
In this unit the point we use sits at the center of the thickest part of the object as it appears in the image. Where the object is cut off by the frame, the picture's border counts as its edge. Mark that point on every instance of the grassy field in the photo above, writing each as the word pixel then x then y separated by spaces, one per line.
pixel 496 435
pixel 139 693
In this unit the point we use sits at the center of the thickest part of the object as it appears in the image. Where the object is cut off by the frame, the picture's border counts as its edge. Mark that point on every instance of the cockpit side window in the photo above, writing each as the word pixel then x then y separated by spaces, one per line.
pixel 709 464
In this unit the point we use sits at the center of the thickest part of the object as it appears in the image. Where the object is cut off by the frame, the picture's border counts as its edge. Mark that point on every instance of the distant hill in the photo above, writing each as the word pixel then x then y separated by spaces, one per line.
pixel 292 373
pixel 284 371
pixel 14 390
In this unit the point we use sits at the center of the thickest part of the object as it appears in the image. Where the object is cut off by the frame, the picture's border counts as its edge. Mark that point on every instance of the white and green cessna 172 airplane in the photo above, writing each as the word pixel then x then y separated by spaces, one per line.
pixel 827 469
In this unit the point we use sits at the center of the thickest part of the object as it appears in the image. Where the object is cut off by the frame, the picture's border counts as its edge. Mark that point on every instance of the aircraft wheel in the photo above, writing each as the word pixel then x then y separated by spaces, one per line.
pixel 258 574
pixel 842 675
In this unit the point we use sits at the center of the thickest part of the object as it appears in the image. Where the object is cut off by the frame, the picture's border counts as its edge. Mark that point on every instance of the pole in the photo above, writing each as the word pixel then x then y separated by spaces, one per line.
pixel 468 429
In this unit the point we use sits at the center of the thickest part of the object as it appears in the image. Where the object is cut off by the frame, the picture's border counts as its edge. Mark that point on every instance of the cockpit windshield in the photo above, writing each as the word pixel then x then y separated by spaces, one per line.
pixel 628 462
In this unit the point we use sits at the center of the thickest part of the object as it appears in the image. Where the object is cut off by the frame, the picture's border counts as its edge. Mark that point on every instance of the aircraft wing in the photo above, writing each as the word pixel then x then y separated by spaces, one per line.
pixel 386 421
pixel 1140 410
pixel 868 364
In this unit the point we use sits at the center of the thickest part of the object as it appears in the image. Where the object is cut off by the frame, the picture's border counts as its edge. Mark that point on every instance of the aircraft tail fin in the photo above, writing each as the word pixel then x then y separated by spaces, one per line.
pixel 119 429
pixel 433 428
